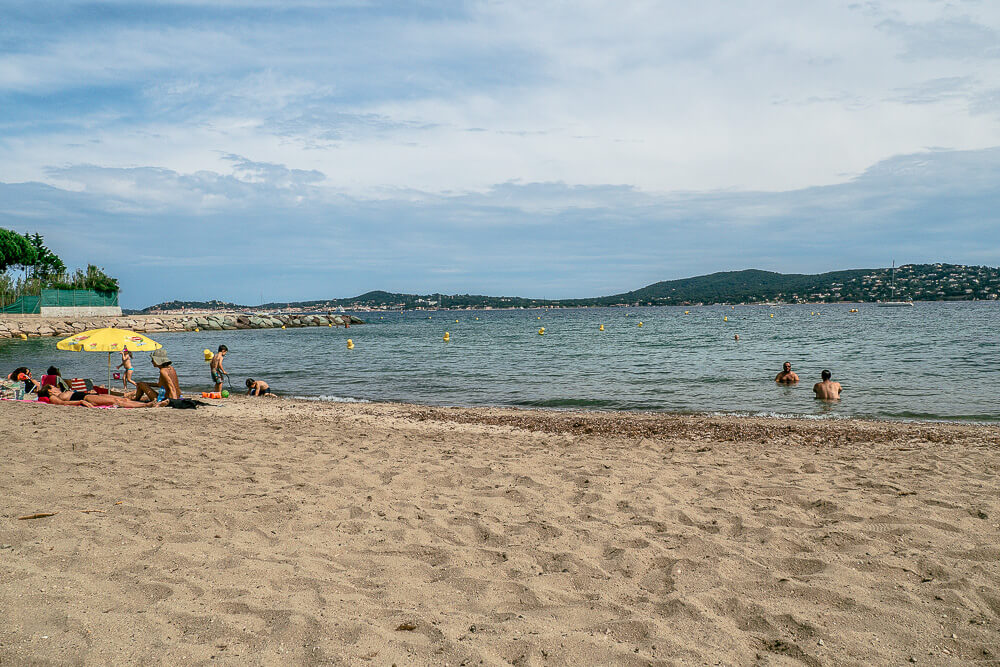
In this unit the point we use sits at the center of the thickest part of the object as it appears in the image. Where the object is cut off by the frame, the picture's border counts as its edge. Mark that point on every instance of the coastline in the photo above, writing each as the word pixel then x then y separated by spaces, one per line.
pixel 37 326
pixel 308 532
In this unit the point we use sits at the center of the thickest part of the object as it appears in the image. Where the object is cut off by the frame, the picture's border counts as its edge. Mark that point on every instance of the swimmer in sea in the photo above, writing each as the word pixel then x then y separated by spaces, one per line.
pixel 786 376
pixel 827 390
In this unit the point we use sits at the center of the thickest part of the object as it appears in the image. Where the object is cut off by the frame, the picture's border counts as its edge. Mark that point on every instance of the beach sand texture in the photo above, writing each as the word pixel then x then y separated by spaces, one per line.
pixel 286 532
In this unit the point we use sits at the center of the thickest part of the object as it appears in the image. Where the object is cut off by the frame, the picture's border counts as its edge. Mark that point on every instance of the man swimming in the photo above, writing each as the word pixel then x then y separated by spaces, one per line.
pixel 827 390
pixel 786 376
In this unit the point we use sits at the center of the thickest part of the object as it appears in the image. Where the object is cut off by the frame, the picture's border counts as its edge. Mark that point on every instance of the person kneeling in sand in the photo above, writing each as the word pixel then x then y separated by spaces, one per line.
pixel 259 388
pixel 86 400
pixel 786 376
pixel 166 388
pixel 827 390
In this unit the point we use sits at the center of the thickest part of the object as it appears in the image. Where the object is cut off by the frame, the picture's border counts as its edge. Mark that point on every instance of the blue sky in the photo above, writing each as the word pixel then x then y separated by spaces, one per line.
pixel 241 149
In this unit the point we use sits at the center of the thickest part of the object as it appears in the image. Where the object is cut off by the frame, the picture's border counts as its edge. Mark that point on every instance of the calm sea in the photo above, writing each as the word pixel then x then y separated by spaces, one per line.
pixel 931 361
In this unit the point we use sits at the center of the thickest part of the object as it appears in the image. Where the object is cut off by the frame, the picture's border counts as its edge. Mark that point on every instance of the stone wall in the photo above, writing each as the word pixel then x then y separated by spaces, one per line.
pixel 34 326
pixel 80 311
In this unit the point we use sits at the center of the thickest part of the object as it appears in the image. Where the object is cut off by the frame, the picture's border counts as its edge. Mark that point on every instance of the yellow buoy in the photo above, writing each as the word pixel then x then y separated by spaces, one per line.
pixel 733 307
pixel 330 325
pixel 447 336
pixel 208 355
pixel 772 314
pixel 477 318
pixel 539 317
pixel 197 329
pixel 541 332
pixel 23 336
pixel 350 344
pixel 725 319
pixel 687 312
pixel 282 326
pixel 640 324
pixel 602 327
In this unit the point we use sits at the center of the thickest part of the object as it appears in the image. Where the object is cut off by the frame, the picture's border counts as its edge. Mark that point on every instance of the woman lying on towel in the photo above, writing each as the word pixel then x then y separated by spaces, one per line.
pixel 56 397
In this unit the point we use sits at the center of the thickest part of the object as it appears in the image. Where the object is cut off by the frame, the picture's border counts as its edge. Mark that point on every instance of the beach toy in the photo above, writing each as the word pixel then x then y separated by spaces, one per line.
pixel 541 332
pixel 350 344
pixel 602 327
pixel 211 394
pixel 208 355
pixel 225 393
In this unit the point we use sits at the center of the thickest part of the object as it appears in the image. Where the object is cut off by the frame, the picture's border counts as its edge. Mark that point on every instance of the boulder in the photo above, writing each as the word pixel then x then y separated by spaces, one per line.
pixel 356 320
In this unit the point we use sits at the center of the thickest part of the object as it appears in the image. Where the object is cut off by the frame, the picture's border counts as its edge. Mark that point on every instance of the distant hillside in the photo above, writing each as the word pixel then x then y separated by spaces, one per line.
pixel 919 282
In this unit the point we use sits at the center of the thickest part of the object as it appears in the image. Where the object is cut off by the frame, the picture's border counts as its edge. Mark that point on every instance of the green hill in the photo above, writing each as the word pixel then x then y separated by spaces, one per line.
pixel 919 282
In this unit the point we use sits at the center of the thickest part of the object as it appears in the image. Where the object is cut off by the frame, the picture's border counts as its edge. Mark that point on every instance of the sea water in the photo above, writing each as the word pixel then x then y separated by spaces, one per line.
pixel 931 361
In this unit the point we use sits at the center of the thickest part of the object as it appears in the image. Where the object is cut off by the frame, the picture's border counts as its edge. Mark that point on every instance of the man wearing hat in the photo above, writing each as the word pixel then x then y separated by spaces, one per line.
pixel 167 387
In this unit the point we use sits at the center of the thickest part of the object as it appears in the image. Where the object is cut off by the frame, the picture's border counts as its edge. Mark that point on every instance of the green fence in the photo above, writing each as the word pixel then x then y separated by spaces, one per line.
pixel 61 298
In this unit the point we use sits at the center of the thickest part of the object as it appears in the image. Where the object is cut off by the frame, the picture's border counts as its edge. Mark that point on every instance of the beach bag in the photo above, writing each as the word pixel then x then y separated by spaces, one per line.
pixel 8 388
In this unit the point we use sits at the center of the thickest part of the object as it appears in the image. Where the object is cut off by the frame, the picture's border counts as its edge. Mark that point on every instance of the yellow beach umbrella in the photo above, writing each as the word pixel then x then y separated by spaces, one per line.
pixel 108 340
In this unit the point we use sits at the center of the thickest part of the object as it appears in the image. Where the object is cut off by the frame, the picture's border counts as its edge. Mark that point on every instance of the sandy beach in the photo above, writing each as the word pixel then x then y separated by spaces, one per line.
pixel 294 532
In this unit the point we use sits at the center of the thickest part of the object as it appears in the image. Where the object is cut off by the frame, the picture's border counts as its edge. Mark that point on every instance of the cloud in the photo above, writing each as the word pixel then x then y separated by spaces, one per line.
pixel 947 37
pixel 495 147
pixel 296 237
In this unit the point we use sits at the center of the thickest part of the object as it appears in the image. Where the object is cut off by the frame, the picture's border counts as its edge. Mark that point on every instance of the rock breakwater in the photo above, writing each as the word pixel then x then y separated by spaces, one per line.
pixel 36 327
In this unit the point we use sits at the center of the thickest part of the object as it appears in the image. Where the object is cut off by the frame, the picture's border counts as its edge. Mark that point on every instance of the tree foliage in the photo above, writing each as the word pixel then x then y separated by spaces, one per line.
pixel 44 269
pixel 16 250
pixel 93 278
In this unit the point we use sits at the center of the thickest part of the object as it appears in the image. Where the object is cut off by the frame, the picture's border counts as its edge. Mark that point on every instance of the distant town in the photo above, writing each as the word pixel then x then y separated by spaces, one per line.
pixel 912 282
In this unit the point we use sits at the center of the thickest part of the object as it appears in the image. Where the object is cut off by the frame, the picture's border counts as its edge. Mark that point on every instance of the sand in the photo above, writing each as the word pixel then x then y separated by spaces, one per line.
pixel 290 532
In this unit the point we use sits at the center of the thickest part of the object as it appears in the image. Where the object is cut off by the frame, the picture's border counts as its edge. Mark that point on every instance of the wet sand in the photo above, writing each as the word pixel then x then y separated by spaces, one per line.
pixel 276 531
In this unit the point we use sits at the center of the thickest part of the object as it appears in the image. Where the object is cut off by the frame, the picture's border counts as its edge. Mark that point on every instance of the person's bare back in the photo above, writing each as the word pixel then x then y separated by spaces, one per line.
pixel 827 390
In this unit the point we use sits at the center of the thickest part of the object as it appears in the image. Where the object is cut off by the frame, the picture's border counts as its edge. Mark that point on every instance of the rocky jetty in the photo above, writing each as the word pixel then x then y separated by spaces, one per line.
pixel 35 327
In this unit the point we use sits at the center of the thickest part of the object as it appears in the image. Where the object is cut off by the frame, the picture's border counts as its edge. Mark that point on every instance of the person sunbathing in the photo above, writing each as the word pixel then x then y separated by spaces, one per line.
pixel 81 398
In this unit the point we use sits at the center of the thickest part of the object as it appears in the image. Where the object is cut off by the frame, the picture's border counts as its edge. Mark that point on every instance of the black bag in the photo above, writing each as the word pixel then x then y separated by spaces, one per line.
pixel 185 403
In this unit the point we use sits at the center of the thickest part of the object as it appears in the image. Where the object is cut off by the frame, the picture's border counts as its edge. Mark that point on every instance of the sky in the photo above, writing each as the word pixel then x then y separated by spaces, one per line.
pixel 258 151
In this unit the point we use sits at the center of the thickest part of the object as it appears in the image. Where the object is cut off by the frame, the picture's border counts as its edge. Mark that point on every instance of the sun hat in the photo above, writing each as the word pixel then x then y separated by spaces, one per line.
pixel 160 357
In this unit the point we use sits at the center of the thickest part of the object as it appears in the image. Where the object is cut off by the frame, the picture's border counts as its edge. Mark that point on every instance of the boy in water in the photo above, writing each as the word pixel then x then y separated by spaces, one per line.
pixel 216 367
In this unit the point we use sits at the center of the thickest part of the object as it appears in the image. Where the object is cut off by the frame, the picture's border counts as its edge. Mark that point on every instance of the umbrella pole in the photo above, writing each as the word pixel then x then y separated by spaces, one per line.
pixel 109 373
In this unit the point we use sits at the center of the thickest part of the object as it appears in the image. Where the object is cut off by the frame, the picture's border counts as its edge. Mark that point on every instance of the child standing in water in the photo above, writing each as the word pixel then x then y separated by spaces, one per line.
pixel 126 366
pixel 216 367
